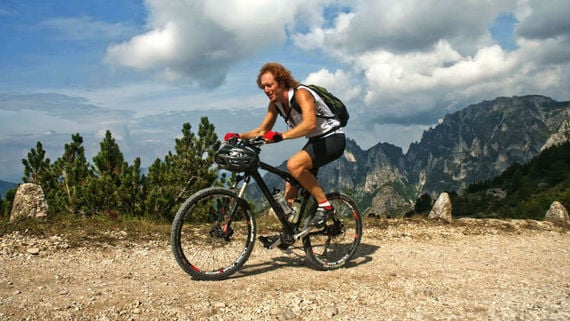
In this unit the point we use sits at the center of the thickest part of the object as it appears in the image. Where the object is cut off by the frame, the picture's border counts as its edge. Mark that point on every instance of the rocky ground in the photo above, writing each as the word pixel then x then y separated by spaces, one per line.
pixel 404 270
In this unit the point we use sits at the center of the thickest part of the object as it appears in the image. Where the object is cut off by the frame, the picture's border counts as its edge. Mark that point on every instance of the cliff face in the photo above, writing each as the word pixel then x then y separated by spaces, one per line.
pixel 474 144
pixel 482 140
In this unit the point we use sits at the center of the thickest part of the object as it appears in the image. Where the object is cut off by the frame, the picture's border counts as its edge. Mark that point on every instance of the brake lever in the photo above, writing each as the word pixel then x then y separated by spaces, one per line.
pixel 257 141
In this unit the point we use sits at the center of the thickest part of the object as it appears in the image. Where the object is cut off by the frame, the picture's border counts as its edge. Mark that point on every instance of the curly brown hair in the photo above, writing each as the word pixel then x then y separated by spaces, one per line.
pixel 281 74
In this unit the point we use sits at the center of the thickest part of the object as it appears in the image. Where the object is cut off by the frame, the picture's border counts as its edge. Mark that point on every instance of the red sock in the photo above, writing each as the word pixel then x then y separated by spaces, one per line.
pixel 326 205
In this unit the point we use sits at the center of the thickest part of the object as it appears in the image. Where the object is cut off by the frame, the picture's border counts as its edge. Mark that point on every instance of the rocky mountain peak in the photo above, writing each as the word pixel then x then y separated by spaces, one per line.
pixel 473 144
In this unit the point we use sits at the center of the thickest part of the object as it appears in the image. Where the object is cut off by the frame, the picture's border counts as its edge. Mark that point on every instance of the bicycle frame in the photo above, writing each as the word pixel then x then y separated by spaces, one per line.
pixel 256 175
pixel 205 250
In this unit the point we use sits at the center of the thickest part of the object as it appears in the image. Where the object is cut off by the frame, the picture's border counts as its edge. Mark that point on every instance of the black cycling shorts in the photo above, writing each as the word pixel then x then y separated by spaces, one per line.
pixel 325 150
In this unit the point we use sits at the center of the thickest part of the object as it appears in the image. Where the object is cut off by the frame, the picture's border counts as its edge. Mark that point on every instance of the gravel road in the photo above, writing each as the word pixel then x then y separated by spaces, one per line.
pixel 404 270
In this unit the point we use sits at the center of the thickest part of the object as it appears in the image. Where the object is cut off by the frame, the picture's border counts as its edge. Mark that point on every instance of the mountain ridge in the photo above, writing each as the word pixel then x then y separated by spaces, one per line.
pixel 471 145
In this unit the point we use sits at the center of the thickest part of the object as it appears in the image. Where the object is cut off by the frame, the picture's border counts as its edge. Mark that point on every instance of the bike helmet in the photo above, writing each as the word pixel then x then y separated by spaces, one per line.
pixel 236 158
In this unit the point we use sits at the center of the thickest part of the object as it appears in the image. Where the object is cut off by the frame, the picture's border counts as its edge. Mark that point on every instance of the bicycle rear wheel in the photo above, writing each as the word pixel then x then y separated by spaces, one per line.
pixel 333 246
pixel 213 234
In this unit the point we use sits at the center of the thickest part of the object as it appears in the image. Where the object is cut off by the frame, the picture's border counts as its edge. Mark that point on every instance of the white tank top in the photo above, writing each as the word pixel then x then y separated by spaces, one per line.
pixel 324 127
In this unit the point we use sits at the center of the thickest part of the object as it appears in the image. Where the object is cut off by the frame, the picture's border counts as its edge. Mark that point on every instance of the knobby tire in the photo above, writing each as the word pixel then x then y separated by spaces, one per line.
pixel 332 247
pixel 213 234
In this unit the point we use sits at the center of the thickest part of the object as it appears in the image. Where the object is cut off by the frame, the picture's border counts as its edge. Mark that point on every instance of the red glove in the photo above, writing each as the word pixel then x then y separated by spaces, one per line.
pixel 273 137
pixel 229 136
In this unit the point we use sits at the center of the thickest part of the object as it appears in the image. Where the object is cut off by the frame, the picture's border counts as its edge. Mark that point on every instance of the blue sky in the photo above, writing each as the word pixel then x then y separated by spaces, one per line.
pixel 143 68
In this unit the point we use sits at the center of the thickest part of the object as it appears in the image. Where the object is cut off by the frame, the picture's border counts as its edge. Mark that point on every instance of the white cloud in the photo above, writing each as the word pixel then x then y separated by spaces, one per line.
pixel 399 62
pixel 407 25
pixel 421 59
pixel 199 40
pixel 158 46
pixel 339 83
pixel 401 65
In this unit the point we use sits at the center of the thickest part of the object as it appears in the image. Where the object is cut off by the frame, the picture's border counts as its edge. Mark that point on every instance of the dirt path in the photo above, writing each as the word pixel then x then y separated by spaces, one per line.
pixel 484 270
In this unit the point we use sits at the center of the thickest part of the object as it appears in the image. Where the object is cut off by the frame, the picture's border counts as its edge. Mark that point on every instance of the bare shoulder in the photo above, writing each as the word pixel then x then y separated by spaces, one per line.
pixel 303 95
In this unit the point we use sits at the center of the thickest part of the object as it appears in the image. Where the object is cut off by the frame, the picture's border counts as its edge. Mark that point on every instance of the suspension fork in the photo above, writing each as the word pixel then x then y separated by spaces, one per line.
pixel 226 225
pixel 245 179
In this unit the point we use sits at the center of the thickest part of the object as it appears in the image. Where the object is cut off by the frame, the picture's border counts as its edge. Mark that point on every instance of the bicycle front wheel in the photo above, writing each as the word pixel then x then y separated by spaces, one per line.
pixel 334 245
pixel 213 234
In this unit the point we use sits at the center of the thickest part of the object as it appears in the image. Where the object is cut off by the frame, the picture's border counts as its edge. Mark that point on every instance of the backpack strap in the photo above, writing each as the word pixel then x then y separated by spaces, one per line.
pixel 295 105
pixel 285 117
pixel 298 108
pixel 292 105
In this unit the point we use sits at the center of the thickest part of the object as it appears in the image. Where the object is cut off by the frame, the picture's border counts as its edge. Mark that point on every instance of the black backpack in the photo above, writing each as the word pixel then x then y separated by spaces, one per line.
pixel 337 107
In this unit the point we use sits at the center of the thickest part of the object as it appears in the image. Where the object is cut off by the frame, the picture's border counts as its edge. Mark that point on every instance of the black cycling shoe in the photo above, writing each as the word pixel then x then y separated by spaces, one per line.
pixel 270 242
pixel 318 220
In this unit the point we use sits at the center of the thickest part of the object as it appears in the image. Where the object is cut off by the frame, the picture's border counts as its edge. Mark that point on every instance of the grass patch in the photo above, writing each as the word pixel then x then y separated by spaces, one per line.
pixel 81 231
pixel 268 222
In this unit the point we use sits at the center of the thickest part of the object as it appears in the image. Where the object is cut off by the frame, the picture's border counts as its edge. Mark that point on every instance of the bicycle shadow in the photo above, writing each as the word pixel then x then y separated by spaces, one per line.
pixel 295 258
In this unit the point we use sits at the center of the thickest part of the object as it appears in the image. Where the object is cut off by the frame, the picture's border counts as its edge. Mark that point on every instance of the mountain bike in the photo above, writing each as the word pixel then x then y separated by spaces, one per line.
pixel 214 231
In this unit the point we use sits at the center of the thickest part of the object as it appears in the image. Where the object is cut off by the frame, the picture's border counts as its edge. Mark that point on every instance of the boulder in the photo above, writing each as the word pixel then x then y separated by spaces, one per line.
pixel 441 209
pixel 557 214
pixel 29 201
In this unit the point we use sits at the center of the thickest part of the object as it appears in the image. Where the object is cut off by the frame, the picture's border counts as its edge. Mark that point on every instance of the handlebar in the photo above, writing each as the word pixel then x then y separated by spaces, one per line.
pixel 254 143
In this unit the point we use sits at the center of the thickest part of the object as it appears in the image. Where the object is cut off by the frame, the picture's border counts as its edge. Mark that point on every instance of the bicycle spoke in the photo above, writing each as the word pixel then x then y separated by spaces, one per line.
pixel 337 243
pixel 212 234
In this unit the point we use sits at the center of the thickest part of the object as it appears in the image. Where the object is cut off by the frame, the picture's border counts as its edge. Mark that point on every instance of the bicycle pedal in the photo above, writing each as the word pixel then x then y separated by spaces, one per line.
pixel 270 242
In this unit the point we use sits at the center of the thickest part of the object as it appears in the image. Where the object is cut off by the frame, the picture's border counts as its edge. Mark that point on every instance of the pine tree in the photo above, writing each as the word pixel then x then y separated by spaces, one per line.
pixel 2 207
pixel 38 170
pixel 103 187
pixel 194 158
pixel 71 172
pixel 36 166
pixel 184 172
pixel 157 190
pixel 109 160
pixel 100 195
pixel 6 203
pixel 131 190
